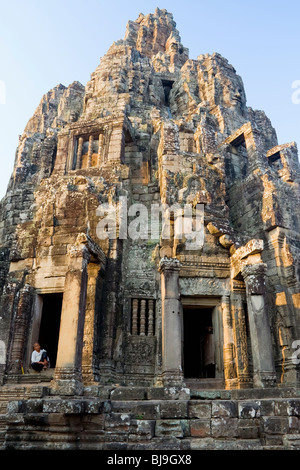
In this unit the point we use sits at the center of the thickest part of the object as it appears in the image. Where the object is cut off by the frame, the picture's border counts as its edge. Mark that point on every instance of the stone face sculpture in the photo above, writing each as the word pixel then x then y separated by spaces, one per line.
pixel 156 128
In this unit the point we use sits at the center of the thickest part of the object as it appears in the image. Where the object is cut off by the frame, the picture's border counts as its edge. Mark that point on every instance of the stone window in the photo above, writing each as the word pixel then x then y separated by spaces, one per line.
pixel 142 317
pixel 275 161
pixel 88 151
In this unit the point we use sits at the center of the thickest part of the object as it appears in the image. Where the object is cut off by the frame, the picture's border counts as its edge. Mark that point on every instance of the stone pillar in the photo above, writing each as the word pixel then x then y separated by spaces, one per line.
pixel 68 376
pixel 111 306
pixel 150 317
pixel 100 149
pixel 79 153
pixel 20 328
pixel 89 367
pixel 143 318
pixel 171 322
pixel 261 342
pixel 135 307
pixel 228 347
pixel 240 334
pixel 90 151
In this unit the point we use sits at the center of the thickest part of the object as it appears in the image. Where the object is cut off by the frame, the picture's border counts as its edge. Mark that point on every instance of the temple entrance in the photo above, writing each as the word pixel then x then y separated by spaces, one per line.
pixel 50 323
pixel 199 343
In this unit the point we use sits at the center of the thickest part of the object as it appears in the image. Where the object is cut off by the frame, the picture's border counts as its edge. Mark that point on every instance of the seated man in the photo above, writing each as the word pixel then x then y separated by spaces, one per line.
pixel 39 358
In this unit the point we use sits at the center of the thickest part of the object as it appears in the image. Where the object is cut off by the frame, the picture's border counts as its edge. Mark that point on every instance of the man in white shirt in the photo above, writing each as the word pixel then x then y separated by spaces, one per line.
pixel 39 358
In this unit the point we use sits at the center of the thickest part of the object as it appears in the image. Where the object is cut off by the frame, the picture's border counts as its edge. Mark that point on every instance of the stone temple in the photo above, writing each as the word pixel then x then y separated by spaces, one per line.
pixel 128 322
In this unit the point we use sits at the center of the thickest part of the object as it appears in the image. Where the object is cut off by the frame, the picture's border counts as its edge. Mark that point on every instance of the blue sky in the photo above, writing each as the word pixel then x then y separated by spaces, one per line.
pixel 44 43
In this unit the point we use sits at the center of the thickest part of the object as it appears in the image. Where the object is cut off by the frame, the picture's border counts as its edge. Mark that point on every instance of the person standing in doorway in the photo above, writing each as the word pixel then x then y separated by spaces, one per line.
pixel 39 360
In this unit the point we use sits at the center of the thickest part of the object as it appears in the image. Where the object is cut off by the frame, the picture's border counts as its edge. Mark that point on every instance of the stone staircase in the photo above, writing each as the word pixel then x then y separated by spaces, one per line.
pixel 22 387
pixel 7 394
pixel 139 418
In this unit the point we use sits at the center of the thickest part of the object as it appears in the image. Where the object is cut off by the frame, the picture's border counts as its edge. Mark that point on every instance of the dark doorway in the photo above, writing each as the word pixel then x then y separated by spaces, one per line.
pixel 167 85
pixel 50 323
pixel 198 350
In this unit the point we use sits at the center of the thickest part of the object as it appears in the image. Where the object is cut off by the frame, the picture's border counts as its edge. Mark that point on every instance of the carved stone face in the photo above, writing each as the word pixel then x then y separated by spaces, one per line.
pixel 234 94
pixel 194 186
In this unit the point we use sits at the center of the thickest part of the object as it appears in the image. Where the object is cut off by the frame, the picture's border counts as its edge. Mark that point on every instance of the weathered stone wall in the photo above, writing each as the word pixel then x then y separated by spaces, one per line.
pixel 150 419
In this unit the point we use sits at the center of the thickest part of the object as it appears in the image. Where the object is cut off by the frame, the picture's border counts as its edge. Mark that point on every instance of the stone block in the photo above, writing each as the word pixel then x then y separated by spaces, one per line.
pixel 224 427
pixel 293 424
pixel 224 409
pixel 138 409
pixel 273 440
pixel 31 406
pixel 248 428
pixel 36 419
pixel 142 429
pixel 66 406
pixel 294 408
pixel 211 394
pixel 249 409
pixel 169 428
pixel 204 443
pixel 96 406
pixel 168 393
pixel 200 427
pixel 274 424
pixel 128 393
pixel 117 422
pixel 93 422
pixel 292 441
pixel 174 409
pixel 57 419
pixel 248 444
pixel 199 409
pixel 14 406
pixel 281 407
pixel 267 407
pixel 156 393
pixel 39 391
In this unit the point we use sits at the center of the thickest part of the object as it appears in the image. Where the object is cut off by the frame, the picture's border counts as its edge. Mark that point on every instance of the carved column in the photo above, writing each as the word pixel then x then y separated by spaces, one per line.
pixel 150 317
pixel 228 348
pixel 111 306
pixel 171 322
pixel 79 153
pixel 143 318
pixel 261 342
pixel 20 329
pixel 100 149
pixel 94 286
pixel 90 151
pixel 241 343
pixel 135 307
pixel 68 376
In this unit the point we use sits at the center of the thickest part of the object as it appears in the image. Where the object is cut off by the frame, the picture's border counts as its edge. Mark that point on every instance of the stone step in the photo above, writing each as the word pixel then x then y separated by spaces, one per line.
pixel 244 394
pixel 32 377
pixel 212 384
